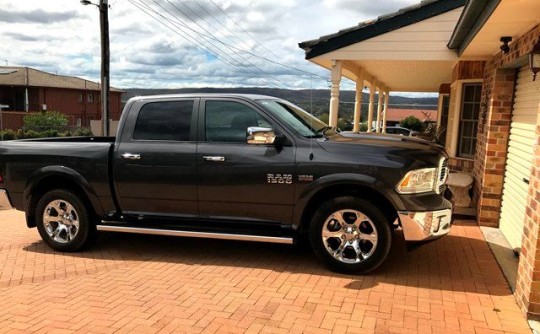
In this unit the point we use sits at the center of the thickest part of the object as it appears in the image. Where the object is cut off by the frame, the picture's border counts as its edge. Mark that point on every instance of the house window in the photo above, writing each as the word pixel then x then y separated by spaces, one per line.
pixel 445 107
pixel 90 97
pixel 78 122
pixel 468 121
pixel 80 97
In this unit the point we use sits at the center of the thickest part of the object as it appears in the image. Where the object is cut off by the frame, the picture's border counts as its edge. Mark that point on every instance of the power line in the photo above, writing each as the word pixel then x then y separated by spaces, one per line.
pixel 192 39
pixel 241 28
pixel 211 37
pixel 219 41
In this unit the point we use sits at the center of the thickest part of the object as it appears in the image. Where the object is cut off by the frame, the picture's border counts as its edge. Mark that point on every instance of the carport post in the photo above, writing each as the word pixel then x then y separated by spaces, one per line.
pixel 379 109
pixel 334 93
pixel 371 104
pixel 358 100
pixel 386 100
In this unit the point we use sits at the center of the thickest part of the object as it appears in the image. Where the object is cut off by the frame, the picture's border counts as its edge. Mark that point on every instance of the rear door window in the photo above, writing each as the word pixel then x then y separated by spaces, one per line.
pixel 167 120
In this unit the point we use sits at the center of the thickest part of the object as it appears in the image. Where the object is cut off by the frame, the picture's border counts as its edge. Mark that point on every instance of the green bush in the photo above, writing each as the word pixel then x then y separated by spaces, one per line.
pixel 31 134
pixel 49 120
pixel 83 132
pixel 49 133
pixel 412 123
pixel 363 126
pixel 66 134
pixel 8 135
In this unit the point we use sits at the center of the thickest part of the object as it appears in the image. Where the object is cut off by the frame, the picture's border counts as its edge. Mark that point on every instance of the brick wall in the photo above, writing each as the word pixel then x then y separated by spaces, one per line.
pixel 493 132
pixel 461 165
pixel 491 149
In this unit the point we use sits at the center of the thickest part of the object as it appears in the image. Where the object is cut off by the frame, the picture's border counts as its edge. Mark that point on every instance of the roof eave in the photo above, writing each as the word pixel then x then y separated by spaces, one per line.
pixel 474 16
pixel 384 24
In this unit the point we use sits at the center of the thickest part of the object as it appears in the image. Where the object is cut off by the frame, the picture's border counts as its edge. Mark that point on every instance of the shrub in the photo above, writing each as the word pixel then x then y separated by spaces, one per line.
pixel 49 133
pixel 32 134
pixel 363 126
pixel 412 123
pixel 8 135
pixel 48 120
pixel 83 132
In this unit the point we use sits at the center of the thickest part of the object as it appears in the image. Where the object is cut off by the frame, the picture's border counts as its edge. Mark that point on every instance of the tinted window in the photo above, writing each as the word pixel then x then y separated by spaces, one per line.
pixel 164 121
pixel 227 121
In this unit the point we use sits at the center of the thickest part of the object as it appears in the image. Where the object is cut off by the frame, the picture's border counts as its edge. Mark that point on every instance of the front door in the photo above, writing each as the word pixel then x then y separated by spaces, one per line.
pixel 237 179
pixel 155 169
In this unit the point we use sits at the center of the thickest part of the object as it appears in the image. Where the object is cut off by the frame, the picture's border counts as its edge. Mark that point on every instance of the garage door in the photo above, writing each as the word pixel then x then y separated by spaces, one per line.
pixel 520 157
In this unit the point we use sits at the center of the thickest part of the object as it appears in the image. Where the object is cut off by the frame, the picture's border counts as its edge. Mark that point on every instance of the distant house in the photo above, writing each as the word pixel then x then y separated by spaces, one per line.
pixel 394 116
pixel 24 90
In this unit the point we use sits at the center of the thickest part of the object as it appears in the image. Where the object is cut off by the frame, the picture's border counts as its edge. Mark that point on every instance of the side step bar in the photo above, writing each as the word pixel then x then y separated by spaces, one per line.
pixel 192 234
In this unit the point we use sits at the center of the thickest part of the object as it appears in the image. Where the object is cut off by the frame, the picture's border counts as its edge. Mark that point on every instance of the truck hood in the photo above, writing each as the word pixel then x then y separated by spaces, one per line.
pixel 405 148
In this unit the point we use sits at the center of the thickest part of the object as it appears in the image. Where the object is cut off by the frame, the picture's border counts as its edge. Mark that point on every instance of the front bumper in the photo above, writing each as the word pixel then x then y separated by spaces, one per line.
pixel 426 225
pixel 5 204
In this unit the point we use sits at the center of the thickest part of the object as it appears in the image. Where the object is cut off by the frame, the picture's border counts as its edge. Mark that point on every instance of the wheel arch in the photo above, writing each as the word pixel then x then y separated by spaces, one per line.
pixel 58 177
pixel 365 188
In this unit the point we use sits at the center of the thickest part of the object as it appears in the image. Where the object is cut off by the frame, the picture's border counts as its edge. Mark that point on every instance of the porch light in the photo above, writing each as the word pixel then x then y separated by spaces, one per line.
pixel 534 60
pixel 505 40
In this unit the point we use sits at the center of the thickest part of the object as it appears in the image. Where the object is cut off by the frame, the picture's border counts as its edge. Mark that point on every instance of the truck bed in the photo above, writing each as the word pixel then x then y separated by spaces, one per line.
pixel 28 161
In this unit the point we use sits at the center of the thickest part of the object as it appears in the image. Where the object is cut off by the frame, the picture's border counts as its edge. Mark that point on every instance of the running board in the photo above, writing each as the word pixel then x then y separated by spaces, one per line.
pixel 192 234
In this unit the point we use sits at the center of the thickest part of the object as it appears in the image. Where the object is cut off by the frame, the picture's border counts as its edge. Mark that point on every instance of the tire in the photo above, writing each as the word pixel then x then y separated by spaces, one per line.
pixel 357 236
pixel 63 221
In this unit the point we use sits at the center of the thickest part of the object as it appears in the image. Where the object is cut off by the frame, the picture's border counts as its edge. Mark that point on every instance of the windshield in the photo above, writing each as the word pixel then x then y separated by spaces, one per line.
pixel 299 120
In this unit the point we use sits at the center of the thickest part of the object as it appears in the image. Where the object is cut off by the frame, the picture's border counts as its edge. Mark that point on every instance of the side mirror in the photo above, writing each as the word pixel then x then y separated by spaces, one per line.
pixel 260 136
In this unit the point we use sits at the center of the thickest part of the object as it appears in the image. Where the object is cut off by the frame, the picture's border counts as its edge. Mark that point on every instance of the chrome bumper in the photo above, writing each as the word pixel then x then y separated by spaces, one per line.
pixel 425 226
pixel 5 204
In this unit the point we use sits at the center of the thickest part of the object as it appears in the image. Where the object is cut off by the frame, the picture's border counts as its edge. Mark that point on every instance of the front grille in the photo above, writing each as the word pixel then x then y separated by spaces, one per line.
pixel 442 174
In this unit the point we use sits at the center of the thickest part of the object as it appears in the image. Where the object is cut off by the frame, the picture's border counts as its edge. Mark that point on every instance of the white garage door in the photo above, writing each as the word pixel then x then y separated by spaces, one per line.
pixel 520 157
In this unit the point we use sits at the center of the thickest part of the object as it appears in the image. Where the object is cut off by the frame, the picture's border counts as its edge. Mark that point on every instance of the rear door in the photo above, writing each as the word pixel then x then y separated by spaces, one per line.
pixel 237 180
pixel 155 163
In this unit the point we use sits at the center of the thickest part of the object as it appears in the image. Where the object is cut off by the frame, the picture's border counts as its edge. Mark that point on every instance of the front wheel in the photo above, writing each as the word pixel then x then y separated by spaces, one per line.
pixel 63 221
pixel 350 235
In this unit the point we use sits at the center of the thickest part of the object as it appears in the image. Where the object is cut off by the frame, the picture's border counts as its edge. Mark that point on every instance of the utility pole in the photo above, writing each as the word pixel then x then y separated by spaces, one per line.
pixel 105 62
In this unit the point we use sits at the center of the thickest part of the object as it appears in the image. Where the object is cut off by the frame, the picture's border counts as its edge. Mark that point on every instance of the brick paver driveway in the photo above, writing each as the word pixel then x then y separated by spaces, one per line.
pixel 134 283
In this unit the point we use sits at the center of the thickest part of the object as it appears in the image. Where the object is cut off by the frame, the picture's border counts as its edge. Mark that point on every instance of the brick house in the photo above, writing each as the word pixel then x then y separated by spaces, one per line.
pixel 395 116
pixel 489 103
pixel 25 90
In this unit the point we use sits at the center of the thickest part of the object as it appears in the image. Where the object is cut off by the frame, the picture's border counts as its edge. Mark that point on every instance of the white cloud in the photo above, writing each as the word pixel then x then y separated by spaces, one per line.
pixel 63 36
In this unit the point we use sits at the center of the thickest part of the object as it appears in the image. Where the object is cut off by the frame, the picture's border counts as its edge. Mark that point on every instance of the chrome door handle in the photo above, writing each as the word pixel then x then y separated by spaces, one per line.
pixel 214 158
pixel 131 156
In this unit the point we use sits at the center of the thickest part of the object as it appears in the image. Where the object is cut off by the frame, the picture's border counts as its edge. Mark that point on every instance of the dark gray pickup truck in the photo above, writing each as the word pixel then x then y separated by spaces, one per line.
pixel 239 167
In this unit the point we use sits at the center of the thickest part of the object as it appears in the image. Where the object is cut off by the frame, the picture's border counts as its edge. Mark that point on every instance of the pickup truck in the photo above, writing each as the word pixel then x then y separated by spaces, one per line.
pixel 237 167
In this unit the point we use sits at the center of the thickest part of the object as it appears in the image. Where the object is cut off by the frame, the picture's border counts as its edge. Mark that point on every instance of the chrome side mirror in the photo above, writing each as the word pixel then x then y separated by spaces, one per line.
pixel 260 136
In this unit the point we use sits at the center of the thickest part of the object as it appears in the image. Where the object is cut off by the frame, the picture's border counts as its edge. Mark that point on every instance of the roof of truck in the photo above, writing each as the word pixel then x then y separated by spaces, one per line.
pixel 168 96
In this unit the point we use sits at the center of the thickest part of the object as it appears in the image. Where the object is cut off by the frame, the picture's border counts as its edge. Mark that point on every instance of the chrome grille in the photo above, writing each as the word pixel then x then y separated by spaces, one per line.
pixel 442 174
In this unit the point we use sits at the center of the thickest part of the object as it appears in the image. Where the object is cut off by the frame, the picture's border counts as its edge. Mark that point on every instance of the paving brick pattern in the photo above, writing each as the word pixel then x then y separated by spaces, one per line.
pixel 149 284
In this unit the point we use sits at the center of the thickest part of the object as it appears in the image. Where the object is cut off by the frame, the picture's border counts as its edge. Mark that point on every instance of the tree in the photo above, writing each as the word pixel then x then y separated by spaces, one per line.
pixel 49 120
pixel 412 123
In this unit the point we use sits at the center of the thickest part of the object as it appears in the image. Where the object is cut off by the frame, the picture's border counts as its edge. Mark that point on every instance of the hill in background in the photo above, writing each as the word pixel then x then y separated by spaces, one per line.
pixel 316 100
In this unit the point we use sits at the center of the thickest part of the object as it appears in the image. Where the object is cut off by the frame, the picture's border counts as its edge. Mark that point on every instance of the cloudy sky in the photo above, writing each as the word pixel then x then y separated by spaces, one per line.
pixel 181 43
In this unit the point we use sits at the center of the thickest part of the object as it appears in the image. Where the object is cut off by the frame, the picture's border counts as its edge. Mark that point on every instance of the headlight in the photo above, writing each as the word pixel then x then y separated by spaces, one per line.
pixel 418 181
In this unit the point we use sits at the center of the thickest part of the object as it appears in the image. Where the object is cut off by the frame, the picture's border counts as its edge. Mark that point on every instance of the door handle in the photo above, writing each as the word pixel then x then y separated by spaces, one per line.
pixel 526 180
pixel 214 158
pixel 131 156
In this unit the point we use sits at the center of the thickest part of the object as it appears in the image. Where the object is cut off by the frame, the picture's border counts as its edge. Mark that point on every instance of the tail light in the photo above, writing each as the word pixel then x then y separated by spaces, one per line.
pixel 1 179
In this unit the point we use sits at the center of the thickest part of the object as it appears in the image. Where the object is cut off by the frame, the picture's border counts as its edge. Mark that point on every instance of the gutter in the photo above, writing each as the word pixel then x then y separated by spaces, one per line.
pixel 474 16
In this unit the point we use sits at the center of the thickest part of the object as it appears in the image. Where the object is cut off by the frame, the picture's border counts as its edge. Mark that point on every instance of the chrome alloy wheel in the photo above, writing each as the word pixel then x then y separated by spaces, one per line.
pixel 349 236
pixel 61 221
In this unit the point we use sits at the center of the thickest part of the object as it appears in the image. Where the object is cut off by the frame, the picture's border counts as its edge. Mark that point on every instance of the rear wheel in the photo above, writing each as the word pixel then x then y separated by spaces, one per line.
pixel 63 221
pixel 350 235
